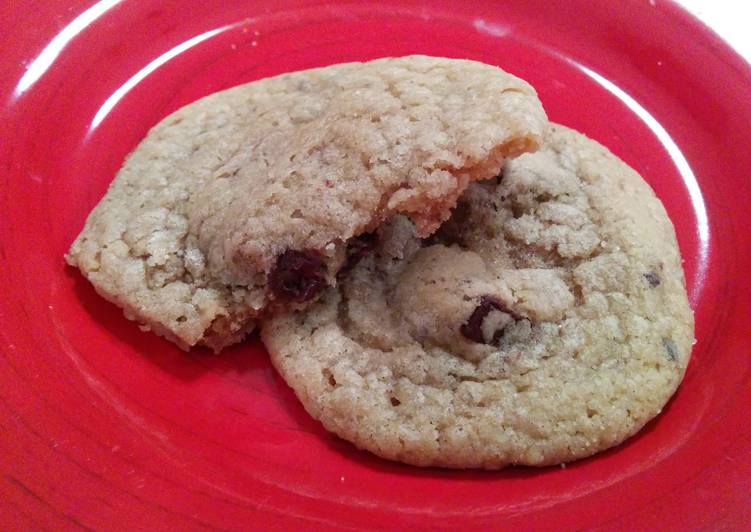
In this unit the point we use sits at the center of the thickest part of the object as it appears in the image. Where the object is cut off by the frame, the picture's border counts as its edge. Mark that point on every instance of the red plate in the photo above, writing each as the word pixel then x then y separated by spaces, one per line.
pixel 104 426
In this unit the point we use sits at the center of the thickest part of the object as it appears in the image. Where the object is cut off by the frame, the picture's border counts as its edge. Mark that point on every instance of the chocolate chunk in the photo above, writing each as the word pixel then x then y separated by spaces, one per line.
pixel 671 350
pixel 461 213
pixel 653 279
pixel 453 231
pixel 298 275
pixel 357 249
pixel 473 328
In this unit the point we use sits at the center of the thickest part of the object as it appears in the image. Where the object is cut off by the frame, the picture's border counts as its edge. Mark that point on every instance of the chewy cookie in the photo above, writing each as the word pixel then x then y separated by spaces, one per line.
pixel 246 199
pixel 547 320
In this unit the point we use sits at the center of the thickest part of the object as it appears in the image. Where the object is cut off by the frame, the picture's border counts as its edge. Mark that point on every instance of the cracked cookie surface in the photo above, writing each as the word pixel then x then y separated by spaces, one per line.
pixel 545 321
pixel 246 199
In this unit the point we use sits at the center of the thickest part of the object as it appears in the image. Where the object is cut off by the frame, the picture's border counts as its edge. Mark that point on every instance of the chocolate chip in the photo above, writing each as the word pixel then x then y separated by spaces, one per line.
pixel 671 349
pixel 653 279
pixel 395 401
pixel 461 213
pixel 298 275
pixel 472 329
pixel 357 249
pixel 452 232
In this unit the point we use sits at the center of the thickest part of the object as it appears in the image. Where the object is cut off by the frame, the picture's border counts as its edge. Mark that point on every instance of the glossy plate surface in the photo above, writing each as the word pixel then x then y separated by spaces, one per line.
pixel 102 425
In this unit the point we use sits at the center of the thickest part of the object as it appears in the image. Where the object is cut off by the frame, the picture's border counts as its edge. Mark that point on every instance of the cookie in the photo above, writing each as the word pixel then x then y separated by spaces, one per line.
pixel 245 200
pixel 547 320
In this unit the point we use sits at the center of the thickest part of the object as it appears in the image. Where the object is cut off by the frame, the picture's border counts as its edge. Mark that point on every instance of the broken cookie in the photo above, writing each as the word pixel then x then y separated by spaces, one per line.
pixel 246 200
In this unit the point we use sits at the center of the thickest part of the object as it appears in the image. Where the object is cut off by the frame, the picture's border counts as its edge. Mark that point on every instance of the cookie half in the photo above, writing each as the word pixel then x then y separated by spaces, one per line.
pixel 245 200
pixel 547 320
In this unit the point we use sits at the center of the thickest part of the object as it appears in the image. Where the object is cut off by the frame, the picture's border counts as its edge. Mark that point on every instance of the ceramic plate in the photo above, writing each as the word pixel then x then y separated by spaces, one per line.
pixel 104 426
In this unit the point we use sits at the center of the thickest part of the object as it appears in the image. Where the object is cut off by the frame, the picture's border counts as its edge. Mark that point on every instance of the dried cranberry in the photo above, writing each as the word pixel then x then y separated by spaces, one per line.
pixel 472 329
pixel 298 275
